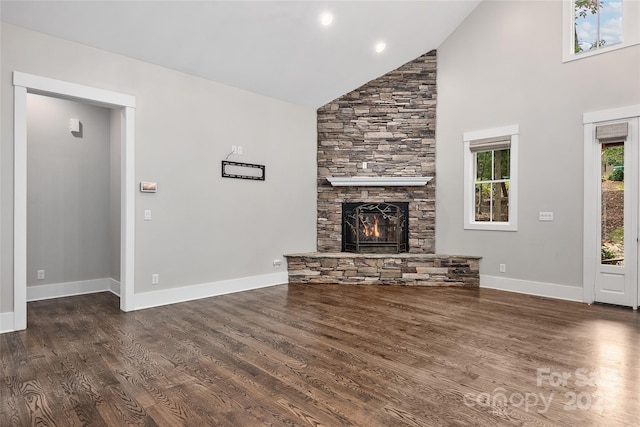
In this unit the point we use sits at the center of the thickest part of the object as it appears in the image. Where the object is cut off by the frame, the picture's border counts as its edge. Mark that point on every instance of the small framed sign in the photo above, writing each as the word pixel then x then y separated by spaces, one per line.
pixel 149 187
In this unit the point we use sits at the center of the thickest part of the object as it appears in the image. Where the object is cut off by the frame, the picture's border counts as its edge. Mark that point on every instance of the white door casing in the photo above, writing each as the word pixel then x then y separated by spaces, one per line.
pixel 28 83
pixel 614 284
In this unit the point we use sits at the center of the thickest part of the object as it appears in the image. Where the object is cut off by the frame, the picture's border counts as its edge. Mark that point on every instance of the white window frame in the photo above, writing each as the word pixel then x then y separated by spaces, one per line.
pixel 630 30
pixel 470 180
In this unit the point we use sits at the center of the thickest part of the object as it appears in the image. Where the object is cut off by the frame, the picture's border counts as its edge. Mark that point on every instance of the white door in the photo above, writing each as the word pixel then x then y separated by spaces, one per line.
pixel 612 195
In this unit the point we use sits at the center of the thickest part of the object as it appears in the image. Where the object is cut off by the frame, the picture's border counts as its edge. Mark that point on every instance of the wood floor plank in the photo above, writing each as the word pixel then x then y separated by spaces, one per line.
pixel 14 411
pixel 40 411
pixel 324 355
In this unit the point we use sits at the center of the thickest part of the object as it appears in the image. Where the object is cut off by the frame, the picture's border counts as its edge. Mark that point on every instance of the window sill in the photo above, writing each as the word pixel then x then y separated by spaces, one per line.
pixel 570 56
pixel 495 226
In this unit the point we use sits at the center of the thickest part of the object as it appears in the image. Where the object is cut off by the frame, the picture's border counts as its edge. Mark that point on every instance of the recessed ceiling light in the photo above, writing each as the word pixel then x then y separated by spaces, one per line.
pixel 380 46
pixel 326 19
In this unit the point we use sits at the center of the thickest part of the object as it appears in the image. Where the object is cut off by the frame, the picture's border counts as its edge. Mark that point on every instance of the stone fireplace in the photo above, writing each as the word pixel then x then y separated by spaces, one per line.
pixel 376 162
pixel 372 144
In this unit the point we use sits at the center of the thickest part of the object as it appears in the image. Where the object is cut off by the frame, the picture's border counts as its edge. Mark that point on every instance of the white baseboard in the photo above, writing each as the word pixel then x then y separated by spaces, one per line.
pixel 206 290
pixel 550 290
pixel 147 299
pixel 59 290
pixel 114 287
pixel 6 322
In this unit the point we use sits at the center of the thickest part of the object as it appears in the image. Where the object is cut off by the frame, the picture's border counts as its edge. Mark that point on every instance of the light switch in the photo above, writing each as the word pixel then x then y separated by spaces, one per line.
pixel 147 215
pixel 74 125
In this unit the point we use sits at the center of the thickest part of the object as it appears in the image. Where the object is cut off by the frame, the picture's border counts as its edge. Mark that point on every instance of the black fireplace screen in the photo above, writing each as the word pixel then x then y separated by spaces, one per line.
pixel 375 227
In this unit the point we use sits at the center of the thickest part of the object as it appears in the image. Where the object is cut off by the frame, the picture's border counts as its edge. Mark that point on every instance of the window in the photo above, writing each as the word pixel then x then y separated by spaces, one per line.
pixel 598 24
pixel 591 27
pixel 490 199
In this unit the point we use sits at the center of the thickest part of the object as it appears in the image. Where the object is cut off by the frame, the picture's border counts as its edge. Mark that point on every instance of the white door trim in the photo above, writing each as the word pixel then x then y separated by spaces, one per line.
pixel 29 83
pixel 591 198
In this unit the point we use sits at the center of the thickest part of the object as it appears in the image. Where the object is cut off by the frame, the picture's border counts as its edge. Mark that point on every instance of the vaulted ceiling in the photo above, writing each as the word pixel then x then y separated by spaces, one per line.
pixel 275 48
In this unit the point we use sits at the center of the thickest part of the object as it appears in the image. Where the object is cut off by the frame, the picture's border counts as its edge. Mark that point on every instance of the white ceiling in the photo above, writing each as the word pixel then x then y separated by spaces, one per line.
pixel 275 48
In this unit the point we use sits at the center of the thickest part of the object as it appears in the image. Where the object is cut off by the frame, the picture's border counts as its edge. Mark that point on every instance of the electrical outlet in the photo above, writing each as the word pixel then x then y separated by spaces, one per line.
pixel 40 274
pixel 155 279
pixel 234 149
pixel 277 263
pixel 239 149
pixel 364 165
pixel 503 268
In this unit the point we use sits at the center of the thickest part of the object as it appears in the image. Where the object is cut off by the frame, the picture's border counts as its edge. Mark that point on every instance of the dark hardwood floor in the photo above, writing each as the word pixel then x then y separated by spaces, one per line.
pixel 324 355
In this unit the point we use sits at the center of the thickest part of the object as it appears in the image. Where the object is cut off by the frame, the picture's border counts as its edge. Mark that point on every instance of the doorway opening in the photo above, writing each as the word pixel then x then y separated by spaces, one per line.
pixel 73 198
pixel 123 107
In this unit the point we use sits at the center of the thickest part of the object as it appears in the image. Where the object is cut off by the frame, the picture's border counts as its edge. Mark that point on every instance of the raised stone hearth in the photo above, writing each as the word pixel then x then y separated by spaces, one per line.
pixel 384 269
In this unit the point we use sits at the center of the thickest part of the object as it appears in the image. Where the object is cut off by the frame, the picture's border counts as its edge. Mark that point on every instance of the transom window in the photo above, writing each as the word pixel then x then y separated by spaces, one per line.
pixel 591 27
pixel 598 24
pixel 490 182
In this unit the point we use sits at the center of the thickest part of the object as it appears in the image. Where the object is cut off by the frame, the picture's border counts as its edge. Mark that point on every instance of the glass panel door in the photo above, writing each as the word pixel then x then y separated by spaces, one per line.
pixel 615 170
pixel 612 204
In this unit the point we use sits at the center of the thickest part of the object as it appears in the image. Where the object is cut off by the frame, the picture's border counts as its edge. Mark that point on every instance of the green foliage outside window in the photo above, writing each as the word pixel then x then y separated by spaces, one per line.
pixel 617 174
pixel 613 156
pixel 492 185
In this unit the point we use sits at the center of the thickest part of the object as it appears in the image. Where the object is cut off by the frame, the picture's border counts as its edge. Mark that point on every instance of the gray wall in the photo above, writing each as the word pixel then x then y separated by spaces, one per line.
pixel 68 224
pixel 503 66
pixel 204 228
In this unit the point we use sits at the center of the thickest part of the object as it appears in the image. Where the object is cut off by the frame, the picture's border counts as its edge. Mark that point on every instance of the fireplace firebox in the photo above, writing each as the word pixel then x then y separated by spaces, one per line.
pixel 375 227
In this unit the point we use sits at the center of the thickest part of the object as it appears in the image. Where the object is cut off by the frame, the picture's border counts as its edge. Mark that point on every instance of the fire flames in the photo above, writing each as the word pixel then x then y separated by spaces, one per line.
pixel 371 230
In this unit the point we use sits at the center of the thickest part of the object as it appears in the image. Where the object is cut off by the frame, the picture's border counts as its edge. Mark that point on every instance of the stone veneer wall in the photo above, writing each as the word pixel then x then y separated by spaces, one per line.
pixel 390 124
